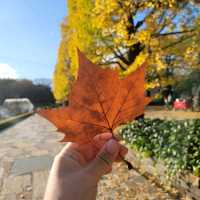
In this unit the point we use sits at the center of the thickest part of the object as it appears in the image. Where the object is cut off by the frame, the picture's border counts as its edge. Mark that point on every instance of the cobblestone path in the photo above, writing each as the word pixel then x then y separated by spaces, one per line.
pixel 26 153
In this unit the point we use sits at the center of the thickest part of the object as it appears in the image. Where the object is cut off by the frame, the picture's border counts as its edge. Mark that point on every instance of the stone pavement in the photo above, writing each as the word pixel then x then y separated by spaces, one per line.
pixel 26 154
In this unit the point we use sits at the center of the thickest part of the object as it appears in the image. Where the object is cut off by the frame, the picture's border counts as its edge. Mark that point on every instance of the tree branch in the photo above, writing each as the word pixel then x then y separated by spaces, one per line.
pixel 121 57
pixel 172 18
pixel 118 54
pixel 162 17
pixel 141 22
pixel 172 33
pixel 113 62
pixel 177 42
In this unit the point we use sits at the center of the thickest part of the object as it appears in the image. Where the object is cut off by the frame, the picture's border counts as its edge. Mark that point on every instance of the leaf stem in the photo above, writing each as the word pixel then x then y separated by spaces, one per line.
pixel 129 165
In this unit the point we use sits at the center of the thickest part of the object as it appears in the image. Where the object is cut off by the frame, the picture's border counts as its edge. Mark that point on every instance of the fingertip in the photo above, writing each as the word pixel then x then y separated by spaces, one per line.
pixel 112 147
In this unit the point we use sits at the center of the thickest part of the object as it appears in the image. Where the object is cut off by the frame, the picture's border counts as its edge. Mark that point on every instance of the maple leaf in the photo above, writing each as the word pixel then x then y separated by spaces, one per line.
pixel 99 102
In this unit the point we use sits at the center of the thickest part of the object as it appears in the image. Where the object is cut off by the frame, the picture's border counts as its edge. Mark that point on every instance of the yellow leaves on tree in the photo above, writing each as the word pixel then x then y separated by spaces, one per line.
pixel 141 58
pixel 125 33
pixel 60 79
pixel 60 84
pixel 74 29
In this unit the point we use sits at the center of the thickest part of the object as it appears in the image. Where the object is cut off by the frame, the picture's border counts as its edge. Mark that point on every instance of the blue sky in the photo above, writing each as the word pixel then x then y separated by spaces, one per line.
pixel 29 37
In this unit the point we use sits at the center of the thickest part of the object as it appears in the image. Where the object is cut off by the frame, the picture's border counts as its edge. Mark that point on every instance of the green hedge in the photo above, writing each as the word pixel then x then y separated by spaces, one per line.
pixel 177 143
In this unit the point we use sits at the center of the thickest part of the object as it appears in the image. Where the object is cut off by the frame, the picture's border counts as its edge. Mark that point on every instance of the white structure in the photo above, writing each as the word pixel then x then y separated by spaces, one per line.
pixel 18 106
pixel 4 113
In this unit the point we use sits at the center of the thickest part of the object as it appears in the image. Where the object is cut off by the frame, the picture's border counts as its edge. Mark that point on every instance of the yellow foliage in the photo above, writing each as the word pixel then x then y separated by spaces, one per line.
pixel 124 33
pixel 159 63
pixel 60 85
pixel 141 58
pixel 151 85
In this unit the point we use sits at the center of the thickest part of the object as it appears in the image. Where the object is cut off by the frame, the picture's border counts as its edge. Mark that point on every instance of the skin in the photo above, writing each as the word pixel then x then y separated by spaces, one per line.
pixel 78 168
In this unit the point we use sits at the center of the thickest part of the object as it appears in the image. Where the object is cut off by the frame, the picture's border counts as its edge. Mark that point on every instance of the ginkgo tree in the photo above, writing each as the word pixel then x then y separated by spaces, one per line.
pixel 123 34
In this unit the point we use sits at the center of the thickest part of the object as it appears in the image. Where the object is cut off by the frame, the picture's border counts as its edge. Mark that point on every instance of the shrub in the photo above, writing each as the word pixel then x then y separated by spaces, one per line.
pixel 177 143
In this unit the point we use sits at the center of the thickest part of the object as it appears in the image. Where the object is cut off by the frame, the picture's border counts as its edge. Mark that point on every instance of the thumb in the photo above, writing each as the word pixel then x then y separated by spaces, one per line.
pixel 102 164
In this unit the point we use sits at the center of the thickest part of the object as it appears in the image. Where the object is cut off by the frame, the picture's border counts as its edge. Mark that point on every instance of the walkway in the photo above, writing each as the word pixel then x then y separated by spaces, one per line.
pixel 26 153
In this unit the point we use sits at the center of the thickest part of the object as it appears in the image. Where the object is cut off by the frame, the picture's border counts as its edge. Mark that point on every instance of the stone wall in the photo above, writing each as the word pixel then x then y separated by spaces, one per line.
pixel 187 184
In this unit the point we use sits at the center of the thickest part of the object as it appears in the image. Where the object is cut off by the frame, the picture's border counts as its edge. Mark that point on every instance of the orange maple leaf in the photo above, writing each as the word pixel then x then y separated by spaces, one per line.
pixel 99 102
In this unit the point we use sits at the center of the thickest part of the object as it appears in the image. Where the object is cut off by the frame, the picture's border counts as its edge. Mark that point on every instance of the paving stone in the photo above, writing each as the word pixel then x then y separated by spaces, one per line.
pixel 147 165
pixel 22 144
pixel 9 197
pixel 14 153
pixel 16 184
pixel 7 166
pixel 39 152
pixel 195 192
pixel 160 168
pixel 39 184
pixel 27 165
pixel 1 177
pixel 139 179
pixel 1 173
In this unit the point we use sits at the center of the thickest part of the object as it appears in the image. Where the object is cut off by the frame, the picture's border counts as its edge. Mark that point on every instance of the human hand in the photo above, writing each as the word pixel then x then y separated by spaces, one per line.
pixel 78 168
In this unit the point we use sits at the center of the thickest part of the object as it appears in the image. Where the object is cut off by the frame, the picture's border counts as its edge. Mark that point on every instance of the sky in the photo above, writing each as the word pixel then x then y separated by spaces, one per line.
pixel 29 37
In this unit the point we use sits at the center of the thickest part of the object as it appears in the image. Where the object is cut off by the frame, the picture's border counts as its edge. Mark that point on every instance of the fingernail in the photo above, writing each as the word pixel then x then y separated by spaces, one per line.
pixel 112 146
